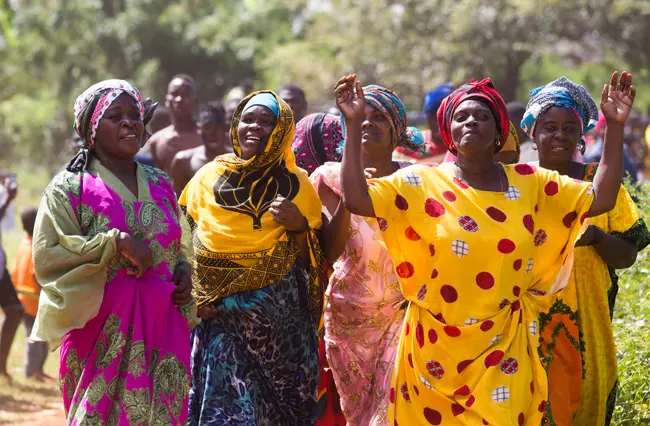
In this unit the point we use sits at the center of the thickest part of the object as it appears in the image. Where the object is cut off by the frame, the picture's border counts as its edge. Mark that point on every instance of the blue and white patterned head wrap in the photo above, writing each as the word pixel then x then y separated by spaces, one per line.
pixel 561 93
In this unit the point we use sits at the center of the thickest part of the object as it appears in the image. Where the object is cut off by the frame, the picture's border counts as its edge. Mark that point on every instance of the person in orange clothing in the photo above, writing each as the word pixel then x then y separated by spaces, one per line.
pixel 28 292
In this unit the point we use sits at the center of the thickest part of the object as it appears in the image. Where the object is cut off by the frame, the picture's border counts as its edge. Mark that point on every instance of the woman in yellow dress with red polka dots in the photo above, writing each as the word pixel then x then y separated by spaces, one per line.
pixel 480 249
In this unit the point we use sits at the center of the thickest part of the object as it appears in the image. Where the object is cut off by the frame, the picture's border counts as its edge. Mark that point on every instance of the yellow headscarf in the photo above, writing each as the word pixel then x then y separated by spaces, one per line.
pixel 238 246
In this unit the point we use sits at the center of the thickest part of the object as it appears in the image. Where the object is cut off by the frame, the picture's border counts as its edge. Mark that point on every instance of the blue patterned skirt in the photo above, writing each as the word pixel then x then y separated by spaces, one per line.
pixel 256 361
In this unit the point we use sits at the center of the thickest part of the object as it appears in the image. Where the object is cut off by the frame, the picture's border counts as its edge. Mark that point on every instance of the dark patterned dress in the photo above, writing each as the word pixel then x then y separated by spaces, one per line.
pixel 255 362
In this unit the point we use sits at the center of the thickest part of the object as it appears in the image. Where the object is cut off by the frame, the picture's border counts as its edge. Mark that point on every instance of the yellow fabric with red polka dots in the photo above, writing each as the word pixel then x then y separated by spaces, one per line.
pixel 477 267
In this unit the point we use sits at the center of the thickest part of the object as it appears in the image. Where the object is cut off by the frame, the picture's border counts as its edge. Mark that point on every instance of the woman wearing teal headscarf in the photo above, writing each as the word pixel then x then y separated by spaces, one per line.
pixel 254 218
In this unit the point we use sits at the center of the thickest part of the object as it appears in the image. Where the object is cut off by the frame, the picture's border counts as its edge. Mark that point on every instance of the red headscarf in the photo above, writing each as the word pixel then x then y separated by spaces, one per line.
pixel 480 90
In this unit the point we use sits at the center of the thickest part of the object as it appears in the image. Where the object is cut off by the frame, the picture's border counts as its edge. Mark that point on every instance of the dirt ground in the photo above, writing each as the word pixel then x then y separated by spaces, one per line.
pixel 26 401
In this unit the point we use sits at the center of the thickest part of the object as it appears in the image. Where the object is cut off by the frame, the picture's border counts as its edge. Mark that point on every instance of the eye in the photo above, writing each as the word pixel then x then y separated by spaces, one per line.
pixel 461 117
pixel 550 128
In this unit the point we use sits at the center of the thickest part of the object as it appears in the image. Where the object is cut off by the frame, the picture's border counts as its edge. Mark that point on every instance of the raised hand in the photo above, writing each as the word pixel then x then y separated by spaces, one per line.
pixel 349 98
pixel 12 188
pixel 617 98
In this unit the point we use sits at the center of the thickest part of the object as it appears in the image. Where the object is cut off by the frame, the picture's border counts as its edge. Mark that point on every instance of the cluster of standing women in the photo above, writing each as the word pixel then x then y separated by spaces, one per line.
pixel 365 291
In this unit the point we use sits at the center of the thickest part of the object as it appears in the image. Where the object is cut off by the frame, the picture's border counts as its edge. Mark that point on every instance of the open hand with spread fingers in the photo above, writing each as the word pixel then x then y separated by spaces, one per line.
pixel 617 98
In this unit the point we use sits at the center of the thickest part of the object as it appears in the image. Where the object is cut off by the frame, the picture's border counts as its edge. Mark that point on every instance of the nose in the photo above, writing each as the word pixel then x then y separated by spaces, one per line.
pixel 129 122
pixel 470 121
pixel 254 126
pixel 560 135
pixel 367 123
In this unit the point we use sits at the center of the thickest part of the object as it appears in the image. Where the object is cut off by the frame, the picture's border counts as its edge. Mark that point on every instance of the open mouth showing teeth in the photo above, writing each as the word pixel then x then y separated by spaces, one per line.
pixel 129 136
pixel 253 138
pixel 559 149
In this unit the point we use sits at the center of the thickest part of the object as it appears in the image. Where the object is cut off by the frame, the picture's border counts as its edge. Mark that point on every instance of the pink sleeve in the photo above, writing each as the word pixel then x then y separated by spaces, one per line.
pixel 328 174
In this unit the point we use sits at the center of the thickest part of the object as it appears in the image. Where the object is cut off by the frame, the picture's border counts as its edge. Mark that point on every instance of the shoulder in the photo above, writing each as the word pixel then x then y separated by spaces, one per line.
pixel 207 171
pixel 154 174
pixel 182 157
pixel 327 175
pixel 65 182
pixel 163 135
pixel 328 168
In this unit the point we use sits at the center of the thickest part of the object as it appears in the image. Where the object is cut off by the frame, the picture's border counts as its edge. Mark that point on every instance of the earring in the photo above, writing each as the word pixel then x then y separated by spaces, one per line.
pixel 581 147
pixel 534 146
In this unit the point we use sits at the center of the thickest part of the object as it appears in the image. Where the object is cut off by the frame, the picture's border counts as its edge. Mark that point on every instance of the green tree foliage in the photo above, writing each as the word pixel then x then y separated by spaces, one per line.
pixel 51 50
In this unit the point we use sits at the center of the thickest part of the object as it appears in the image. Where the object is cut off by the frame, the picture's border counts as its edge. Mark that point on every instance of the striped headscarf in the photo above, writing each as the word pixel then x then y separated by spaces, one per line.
pixel 561 93
pixel 477 90
pixel 391 106
pixel 89 108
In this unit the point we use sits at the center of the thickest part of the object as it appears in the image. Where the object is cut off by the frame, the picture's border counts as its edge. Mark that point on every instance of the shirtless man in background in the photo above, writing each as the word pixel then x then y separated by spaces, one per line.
pixel 295 97
pixel 183 133
pixel 213 129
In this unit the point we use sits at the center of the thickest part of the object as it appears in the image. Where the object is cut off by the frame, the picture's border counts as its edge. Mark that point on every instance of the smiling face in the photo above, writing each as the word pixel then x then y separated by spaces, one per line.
pixel 120 130
pixel 557 134
pixel 254 130
pixel 474 129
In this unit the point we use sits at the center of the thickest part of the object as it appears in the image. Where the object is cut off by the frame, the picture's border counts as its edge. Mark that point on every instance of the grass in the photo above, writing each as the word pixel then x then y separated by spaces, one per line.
pixel 631 322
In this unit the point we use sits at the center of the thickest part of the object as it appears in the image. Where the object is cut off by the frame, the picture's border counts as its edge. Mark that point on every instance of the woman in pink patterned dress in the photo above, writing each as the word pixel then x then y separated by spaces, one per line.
pixel 364 307
pixel 107 252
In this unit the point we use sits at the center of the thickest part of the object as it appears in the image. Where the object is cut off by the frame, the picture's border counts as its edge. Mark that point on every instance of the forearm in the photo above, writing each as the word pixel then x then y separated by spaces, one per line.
pixel 353 180
pixel 607 181
pixel 303 245
pixel 336 233
pixel 617 252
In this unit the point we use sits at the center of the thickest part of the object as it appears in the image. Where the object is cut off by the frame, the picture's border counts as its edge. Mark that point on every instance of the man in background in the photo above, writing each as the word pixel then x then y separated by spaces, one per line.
pixel 161 118
pixel 183 133
pixel 295 97
pixel 213 131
